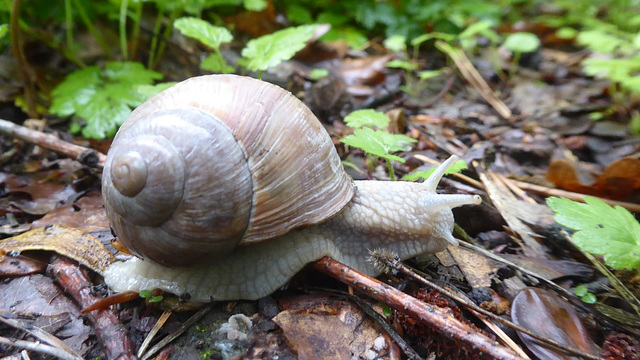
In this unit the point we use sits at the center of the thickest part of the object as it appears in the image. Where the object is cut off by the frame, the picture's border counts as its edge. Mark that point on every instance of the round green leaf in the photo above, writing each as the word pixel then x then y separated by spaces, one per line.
pixel 203 31
pixel 522 42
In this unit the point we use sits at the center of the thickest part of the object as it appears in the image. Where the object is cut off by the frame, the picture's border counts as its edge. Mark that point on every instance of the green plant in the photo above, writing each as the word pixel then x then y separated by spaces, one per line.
pixel 148 295
pixel 211 36
pixel 318 73
pixel 414 82
pixel 584 294
pixel 378 142
pixel 417 174
pixel 601 230
pixel 103 98
pixel 518 43
pixel 270 50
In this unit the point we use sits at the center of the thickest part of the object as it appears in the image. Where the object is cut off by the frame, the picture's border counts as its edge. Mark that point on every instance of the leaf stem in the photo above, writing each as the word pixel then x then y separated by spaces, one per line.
pixel 87 22
pixel 391 174
pixel 123 29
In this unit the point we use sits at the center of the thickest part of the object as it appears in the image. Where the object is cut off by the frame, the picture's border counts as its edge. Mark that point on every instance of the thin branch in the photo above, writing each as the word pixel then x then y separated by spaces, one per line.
pixel 431 315
pixel 395 264
pixel 38 347
pixel 86 156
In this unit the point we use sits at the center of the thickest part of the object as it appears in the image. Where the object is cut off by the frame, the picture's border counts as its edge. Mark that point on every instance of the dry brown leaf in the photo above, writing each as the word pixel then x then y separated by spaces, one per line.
pixel 340 333
pixel 618 181
pixel 20 266
pixel 477 269
pixel 546 314
pixel 72 243
pixel 37 297
pixel 86 214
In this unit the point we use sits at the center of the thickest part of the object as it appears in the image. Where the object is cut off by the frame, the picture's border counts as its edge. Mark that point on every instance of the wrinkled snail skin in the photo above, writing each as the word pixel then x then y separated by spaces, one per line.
pixel 408 218
pixel 227 186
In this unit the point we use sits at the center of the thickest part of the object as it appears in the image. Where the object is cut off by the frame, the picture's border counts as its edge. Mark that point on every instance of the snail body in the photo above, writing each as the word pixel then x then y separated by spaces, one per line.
pixel 227 186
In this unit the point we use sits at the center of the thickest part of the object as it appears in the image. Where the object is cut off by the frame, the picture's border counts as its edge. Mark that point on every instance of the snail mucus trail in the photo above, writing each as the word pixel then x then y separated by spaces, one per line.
pixel 226 186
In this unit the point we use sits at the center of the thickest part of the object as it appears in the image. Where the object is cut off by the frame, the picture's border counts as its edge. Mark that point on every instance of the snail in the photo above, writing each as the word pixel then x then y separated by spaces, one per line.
pixel 226 186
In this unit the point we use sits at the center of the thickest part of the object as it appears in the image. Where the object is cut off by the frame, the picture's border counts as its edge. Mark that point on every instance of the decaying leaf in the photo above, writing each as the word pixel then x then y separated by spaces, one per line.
pixel 72 243
pixel 337 330
pixel 546 314
pixel 86 214
pixel 617 181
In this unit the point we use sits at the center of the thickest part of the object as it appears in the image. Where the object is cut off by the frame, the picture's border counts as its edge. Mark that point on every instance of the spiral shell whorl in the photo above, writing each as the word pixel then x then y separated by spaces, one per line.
pixel 182 212
pixel 297 176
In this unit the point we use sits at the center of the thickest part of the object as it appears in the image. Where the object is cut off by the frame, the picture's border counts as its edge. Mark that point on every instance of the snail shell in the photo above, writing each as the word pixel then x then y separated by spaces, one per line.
pixel 215 162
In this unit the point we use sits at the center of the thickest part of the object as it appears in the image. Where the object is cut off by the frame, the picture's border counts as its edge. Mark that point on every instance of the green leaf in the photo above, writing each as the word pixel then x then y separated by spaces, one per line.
pixel 103 98
pixel 632 84
pixel 522 42
pixel 602 230
pixel 270 50
pixel 566 33
pixel 203 31
pixel 4 29
pixel 600 41
pixel 298 14
pixel 147 91
pixel 145 294
pixel 581 290
pixel 352 36
pixel 454 168
pixel 424 75
pixel 396 43
pixel 379 143
pixel 402 64
pixel 367 117
pixel 318 73
pixel 156 299
pixel 480 28
pixel 255 5
pixel 216 64
pixel 433 35
pixel 589 298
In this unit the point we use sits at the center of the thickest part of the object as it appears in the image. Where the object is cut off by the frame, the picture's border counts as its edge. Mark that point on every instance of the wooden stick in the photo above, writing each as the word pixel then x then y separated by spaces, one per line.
pixel 573 195
pixel 110 332
pixel 86 156
pixel 432 315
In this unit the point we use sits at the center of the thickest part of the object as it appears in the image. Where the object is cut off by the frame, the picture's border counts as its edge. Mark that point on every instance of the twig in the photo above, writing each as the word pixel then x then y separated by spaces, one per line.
pixel 472 75
pixel 38 347
pixel 432 315
pixel 37 333
pixel 395 264
pixel 109 330
pixel 86 156
pixel 440 94
pixel 145 344
pixel 495 257
pixel 381 321
pixel 169 338
pixel 573 195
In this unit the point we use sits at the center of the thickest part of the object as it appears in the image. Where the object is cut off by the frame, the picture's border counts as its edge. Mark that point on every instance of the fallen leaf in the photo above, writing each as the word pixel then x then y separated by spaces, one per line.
pixel 72 243
pixel 342 332
pixel 37 297
pixel 546 314
pixel 86 214
pixel 477 269
pixel 20 266
pixel 618 181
